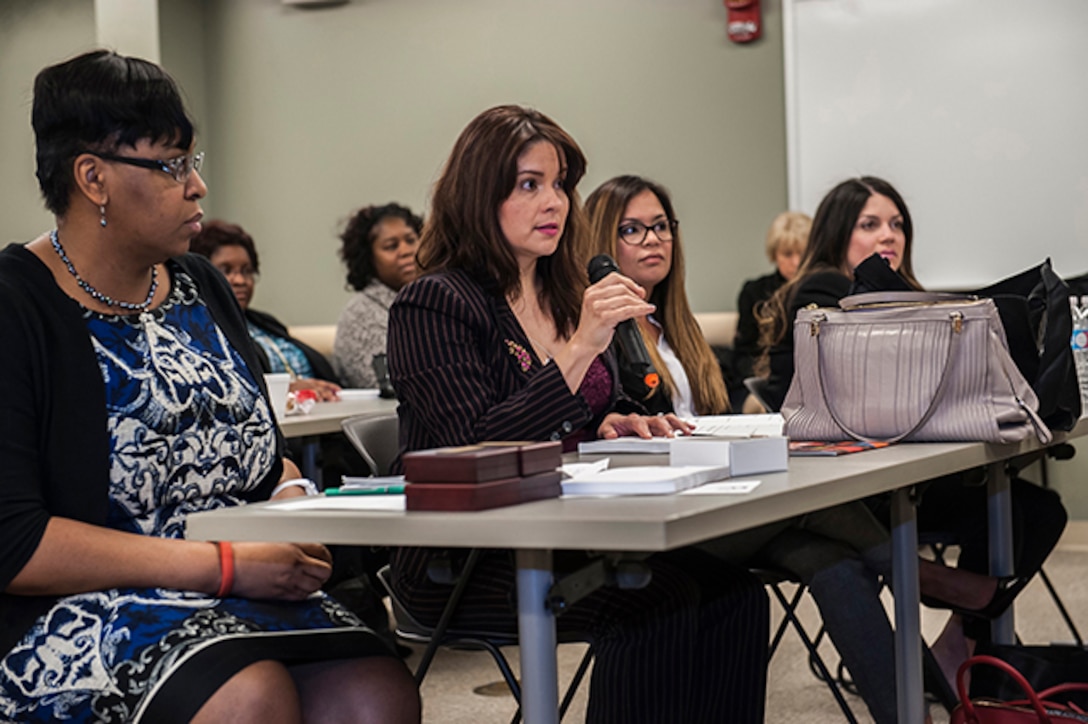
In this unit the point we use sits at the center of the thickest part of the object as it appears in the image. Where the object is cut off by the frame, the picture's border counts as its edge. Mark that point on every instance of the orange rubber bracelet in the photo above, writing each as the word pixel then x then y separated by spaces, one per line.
pixel 226 568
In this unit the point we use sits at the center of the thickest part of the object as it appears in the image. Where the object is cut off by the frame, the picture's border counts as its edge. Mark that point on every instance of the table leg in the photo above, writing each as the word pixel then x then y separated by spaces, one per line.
pixel 311 446
pixel 909 690
pixel 536 639
pixel 999 512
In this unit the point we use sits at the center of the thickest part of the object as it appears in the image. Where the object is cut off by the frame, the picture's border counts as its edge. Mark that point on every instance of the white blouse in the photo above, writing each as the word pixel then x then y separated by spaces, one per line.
pixel 681 393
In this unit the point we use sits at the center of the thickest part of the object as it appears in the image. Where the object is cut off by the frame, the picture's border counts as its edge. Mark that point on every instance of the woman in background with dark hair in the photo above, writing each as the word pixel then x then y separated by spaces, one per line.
pixel 379 250
pixel 232 251
pixel 132 398
pixel 857 219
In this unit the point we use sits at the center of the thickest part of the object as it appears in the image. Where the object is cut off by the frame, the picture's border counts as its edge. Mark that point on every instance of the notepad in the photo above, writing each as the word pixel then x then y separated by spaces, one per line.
pixel 620 445
pixel 643 480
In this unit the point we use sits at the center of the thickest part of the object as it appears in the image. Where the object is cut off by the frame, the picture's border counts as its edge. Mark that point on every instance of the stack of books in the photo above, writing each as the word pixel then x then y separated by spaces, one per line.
pixel 478 477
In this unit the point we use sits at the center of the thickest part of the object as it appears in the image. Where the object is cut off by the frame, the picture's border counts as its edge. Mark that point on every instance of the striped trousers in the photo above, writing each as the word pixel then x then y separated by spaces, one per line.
pixel 689 648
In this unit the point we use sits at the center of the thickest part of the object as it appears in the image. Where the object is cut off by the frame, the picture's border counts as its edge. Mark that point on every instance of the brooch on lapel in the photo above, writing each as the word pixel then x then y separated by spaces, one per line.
pixel 523 358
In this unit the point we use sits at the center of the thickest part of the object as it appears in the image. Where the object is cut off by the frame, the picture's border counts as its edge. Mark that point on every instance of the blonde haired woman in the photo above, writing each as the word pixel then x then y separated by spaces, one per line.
pixel 648 250
pixel 786 241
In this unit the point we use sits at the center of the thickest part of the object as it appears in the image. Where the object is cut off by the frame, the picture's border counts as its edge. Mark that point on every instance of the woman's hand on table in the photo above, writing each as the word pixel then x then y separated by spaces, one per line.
pixel 616 425
pixel 280 571
pixel 326 391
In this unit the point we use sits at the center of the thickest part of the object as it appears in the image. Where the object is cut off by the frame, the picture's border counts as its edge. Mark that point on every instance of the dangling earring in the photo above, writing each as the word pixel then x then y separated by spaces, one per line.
pixel 102 210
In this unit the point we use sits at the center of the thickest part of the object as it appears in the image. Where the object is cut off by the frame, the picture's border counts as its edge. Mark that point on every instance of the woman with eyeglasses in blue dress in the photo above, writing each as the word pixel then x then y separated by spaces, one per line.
pixel 133 397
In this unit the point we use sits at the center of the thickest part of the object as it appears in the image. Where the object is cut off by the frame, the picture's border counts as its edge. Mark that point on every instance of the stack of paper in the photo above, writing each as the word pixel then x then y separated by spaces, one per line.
pixel 643 480
pixel 740 455
pixel 744 456
pixel 619 445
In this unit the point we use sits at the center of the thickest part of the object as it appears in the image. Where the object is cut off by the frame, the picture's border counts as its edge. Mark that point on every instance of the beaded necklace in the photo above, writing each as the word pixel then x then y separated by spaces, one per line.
pixel 97 295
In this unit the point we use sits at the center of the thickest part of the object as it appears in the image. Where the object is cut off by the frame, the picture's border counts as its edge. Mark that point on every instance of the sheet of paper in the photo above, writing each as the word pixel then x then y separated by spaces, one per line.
pixel 628 444
pixel 342 502
pixel 739 425
pixel 573 470
pixel 351 481
pixel 724 487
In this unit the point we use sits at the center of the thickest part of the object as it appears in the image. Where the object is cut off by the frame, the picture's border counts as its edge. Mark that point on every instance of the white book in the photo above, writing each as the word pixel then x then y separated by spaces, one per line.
pixel 743 455
pixel 643 480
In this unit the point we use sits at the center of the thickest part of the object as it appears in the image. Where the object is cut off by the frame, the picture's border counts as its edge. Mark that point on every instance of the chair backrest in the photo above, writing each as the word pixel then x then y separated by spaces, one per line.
pixel 719 328
pixel 757 386
pixel 375 437
pixel 318 336
pixel 407 625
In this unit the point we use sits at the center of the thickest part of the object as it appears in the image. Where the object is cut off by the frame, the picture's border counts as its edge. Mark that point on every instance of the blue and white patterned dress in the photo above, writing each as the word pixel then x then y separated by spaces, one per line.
pixel 189 431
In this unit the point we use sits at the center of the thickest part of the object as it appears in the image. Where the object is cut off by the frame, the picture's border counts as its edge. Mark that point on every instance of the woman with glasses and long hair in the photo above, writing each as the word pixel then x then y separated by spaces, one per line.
pixel 632 220
pixel 501 338
pixel 232 251
pixel 132 398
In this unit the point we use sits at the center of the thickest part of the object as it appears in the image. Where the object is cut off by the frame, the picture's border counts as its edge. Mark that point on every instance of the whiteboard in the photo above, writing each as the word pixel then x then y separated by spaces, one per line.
pixel 975 110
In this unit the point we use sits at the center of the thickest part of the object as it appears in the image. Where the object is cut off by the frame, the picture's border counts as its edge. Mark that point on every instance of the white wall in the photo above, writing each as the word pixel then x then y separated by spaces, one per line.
pixel 975 109
pixel 33 34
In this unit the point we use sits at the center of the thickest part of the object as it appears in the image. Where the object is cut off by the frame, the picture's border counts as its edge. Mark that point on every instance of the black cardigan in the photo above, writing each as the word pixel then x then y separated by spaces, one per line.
pixel 54 445
pixel 824 289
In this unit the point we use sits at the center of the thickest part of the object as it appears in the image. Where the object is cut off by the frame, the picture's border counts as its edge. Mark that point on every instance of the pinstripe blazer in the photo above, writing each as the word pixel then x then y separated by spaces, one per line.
pixel 465 371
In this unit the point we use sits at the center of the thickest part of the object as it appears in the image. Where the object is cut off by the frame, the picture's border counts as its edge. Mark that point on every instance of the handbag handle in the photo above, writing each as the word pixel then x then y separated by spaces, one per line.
pixel 871 299
pixel 1042 432
pixel 968 705
pixel 937 395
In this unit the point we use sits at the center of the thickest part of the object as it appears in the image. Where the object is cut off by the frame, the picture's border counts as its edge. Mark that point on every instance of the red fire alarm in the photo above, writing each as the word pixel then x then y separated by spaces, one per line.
pixel 744 23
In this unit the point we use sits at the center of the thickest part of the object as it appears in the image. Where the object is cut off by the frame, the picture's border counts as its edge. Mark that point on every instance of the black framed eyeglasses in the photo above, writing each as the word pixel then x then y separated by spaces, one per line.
pixel 635 232
pixel 180 168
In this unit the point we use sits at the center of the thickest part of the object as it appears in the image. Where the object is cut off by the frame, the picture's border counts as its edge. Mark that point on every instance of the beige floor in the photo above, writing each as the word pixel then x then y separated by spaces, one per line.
pixel 461 686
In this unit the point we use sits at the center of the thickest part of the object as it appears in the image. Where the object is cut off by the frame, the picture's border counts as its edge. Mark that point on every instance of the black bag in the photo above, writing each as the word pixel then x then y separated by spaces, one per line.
pixel 1042 666
pixel 1034 309
pixel 1078 285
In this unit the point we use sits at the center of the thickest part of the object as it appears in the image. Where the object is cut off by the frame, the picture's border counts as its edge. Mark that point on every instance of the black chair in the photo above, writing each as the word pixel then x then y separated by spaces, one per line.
pixel 375 437
pixel 411 630
pixel 756 387
pixel 935 683
pixel 774 580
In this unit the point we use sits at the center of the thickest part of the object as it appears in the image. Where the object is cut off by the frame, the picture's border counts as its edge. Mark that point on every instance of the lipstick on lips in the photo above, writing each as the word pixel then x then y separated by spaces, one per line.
pixel 194 222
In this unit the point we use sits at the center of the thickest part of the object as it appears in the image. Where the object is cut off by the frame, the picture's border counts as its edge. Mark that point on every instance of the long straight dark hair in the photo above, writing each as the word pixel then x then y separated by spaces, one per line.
pixel 828 244
pixel 463 231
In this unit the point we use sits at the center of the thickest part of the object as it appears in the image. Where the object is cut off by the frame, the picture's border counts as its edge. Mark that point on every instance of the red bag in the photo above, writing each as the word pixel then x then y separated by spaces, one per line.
pixel 1044 707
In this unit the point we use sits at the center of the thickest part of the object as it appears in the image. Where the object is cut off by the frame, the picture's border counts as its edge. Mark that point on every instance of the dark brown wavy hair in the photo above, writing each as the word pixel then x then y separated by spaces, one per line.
pixel 828 244
pixel 463 231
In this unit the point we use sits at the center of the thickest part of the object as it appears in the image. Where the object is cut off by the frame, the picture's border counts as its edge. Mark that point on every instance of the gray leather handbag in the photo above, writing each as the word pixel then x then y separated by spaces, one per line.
pixel 907 366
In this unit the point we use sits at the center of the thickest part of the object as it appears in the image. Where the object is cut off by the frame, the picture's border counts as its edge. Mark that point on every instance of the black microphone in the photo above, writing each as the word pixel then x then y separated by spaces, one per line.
pixel 633 358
